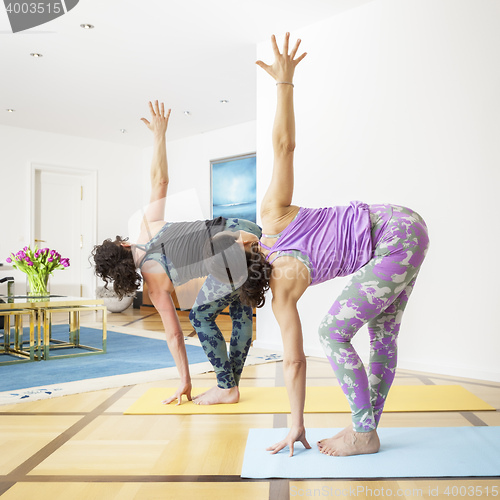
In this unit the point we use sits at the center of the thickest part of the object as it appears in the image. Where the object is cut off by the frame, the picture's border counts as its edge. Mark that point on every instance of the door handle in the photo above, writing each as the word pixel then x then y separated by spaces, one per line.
pixel 39 241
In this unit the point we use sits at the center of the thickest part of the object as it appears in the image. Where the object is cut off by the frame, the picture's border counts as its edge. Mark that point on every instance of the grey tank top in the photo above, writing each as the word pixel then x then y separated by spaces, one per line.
pixel 178 247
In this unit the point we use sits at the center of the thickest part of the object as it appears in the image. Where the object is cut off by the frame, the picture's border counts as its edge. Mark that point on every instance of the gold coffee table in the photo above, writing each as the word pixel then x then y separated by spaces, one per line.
pixel 13 342
pixel 42 343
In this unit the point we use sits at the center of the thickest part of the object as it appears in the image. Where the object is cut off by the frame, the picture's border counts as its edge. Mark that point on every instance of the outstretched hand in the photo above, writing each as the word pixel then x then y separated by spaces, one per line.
pixel 283 68
pixel 295 434
pixel 159 122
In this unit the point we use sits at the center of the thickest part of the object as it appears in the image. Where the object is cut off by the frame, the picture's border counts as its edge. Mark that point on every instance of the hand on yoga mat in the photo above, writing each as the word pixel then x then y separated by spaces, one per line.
pixel 295 434
pixel 183 389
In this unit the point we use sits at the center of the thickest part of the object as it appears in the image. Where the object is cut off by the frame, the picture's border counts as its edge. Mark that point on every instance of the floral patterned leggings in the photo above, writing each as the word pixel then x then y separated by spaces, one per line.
pixel 377 294
pixel 212 299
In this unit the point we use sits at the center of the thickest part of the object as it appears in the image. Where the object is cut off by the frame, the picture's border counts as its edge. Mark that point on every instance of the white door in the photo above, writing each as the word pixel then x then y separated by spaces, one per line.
pixel 58 225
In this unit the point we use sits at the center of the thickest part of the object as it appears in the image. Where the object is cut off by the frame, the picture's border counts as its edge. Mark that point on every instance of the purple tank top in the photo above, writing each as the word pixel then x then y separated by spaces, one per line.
pixel 337 240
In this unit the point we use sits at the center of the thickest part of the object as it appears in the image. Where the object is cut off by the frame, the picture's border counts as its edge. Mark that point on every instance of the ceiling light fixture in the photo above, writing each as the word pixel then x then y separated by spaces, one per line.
pixel 36 54
pixel 87 26
pixel 123 131
pixel 187 113
pixel 224 101
pixel 10 110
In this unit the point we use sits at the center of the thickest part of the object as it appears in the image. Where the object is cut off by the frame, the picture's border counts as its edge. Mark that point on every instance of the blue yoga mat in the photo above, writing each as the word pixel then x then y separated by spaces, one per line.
pixel 404 452
pixel 125 354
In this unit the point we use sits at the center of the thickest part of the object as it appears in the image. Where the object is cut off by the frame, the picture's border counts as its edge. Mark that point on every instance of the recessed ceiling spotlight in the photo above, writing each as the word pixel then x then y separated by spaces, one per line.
pixel 123 131
pixel 187 113
pixel 224 101
pixel 87 26
pixel 36 54
pixel 10 110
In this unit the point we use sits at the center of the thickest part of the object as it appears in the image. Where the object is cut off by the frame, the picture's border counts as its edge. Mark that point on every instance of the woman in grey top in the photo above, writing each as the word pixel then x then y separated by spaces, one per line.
pixel 170 254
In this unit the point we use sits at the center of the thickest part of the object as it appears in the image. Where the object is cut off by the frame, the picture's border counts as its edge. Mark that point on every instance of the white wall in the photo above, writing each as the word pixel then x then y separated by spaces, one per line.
pixel 189 168
pixel 117 195
pixel 397 101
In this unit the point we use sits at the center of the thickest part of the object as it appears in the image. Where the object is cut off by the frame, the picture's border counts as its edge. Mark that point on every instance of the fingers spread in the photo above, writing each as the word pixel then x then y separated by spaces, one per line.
pixel 275 448
pixel 265 67
pixel 145 121
pixel 296 47
pixel 275 46
pixel 285 44
pixel 151 108
pixel 300 58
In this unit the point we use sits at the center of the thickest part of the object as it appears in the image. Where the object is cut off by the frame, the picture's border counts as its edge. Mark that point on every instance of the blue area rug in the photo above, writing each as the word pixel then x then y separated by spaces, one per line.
pixel 404 453
pixel 125 354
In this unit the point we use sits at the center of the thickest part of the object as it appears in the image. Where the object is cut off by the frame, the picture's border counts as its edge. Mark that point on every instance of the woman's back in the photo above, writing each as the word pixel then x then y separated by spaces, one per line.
pixel 178 247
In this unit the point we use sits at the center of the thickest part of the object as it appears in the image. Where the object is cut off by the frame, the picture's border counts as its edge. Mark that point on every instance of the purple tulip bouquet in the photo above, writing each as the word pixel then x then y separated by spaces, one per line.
pixel 38 266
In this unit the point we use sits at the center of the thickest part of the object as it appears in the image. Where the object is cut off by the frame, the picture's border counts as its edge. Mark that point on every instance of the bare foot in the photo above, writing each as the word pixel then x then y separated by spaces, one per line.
pixel 348 442
pixel 216 395
pixel 324 442
pixel 199 395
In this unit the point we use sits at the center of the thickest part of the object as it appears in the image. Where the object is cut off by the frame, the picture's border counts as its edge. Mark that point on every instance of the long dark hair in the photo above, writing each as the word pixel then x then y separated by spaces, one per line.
pixel 114 263
pixel 226 261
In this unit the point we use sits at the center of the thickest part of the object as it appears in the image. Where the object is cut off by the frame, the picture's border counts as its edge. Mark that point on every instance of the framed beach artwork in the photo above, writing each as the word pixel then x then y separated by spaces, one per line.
pixel 234 187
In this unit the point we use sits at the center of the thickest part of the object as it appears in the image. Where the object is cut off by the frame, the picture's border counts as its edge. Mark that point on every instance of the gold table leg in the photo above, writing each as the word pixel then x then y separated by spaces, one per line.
pixel 74 331
pixel 15 345
pixel 74 327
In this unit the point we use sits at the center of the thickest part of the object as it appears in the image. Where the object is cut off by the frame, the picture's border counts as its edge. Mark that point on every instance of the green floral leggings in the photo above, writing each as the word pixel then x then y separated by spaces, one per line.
pixel 212 299
pixel 376 295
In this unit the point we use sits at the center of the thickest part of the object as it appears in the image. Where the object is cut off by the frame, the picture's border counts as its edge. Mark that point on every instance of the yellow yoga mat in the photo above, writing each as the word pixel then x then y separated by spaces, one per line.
pixel 402 398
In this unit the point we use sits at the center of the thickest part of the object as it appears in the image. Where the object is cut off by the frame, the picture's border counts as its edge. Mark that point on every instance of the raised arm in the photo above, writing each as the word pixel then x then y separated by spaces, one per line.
pixel 280 191
pixel 159 165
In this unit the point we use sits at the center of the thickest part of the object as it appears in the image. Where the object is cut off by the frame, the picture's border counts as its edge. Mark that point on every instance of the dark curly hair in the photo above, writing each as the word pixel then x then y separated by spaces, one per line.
pixel 114 263
pixel 253 291
pixel 248 270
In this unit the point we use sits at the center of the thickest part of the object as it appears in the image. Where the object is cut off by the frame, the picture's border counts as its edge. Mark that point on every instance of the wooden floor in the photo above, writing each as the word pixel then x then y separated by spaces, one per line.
pixel 82 447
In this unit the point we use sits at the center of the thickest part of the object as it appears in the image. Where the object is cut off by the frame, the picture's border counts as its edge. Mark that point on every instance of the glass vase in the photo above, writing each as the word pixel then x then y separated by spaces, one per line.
pixel 38 285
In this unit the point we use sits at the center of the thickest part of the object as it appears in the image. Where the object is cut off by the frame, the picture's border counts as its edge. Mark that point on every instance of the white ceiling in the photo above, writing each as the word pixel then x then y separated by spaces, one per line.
pixel 189 53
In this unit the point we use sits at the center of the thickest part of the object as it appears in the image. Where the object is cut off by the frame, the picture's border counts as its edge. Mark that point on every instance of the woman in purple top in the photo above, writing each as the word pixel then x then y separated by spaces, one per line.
pixel 381 246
